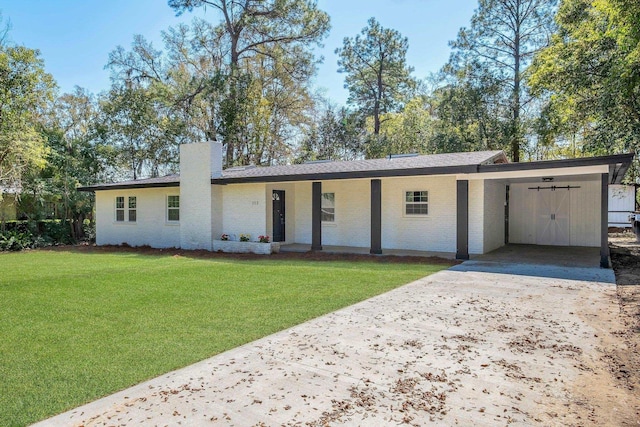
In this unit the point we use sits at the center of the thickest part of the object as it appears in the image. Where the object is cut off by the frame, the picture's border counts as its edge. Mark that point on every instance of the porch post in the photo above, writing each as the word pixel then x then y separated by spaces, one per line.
pixel 376 217
pixel 316 216
pixel 604 221
pixel 462 219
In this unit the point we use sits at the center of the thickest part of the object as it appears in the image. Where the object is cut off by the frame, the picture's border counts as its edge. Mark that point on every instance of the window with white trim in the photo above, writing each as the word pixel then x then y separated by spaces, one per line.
pixel 133 202
pixel 416 203
pixel 173 208
pixel 328 207
pixel 120 209
pixel 126 212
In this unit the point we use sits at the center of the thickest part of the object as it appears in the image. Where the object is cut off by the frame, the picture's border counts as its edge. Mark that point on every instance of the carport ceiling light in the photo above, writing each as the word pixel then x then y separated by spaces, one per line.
pixel 547 179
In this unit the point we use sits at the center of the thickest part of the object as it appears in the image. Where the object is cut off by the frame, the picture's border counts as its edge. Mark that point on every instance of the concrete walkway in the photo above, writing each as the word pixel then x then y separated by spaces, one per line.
pixel 479 344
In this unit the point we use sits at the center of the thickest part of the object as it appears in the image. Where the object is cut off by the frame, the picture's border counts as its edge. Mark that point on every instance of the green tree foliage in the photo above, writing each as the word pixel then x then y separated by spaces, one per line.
pixel 591 73
pixel 25 90
pixel 335 134
pixel 407 131
pixel 75 157
pixel 250 32
pixel 185 82
pixel 469 114
pixel 496 50
pixel 140 124
pixel 377 76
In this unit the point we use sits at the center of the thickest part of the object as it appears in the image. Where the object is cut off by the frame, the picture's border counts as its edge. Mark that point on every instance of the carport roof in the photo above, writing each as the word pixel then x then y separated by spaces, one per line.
pixel 618 165
pixel 395 166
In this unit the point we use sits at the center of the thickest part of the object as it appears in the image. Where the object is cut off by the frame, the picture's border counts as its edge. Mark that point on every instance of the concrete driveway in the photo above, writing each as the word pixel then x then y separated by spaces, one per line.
pixel 483 343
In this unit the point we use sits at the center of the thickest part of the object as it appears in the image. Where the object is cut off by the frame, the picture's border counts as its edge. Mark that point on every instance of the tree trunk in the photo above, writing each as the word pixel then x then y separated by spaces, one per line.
pixel 515 131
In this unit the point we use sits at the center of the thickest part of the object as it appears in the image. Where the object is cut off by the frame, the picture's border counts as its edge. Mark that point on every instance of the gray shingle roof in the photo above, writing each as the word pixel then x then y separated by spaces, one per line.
pixel 373 165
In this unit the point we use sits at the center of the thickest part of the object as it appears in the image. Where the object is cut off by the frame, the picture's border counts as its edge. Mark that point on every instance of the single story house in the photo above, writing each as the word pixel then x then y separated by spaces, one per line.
pixel 457 203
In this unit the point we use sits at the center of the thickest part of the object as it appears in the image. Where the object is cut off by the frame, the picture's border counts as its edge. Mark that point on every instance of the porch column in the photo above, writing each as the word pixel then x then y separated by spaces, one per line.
pixel 316 216
pixel 462 219
pixel 604 221
pixel 376 217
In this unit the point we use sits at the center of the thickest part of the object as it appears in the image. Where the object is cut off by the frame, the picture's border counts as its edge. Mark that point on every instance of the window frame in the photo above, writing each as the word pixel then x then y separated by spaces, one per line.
pixel 172 208
pixel 332 221
pixel 119 208
pixel 132 209
pixel 406 203
pixel 126 209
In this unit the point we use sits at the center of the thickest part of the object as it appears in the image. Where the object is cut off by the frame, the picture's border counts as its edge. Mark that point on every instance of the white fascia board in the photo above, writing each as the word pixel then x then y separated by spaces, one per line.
pixel 537 173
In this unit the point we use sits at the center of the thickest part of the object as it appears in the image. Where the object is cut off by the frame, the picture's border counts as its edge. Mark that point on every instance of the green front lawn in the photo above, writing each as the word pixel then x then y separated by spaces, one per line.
pixel 77 326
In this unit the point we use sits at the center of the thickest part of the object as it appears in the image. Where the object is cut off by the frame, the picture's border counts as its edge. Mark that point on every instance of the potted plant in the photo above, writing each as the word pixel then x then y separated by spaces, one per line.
pixel 244 244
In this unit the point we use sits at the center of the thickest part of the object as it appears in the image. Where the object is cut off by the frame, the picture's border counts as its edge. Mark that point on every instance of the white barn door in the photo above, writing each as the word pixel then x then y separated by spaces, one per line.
pixel 552 217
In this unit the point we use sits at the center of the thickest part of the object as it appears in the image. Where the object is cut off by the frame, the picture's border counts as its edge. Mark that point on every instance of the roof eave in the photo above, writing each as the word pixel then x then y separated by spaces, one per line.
pixel 91 188
pixel 440 170
pixel 618 165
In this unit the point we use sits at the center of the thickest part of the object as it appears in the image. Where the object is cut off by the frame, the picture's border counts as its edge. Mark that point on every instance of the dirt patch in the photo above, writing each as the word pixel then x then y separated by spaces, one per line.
pixel 282 256
pixel 624 361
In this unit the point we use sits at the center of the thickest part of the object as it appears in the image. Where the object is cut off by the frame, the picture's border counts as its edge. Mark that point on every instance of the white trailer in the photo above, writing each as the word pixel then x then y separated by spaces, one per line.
pixel 622 203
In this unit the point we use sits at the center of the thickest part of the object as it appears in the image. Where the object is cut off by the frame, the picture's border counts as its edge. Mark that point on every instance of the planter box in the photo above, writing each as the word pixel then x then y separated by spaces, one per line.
pixel 235 247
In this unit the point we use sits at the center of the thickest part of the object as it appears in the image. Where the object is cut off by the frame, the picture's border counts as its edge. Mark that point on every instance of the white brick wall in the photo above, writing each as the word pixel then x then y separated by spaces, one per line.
pixel 217 211
pixel 476 216
pixel 352 225
pixel 195 194
pixel 151 227
pixel 494 200
pixel 244 210
pixel 303 212
pixel 436 232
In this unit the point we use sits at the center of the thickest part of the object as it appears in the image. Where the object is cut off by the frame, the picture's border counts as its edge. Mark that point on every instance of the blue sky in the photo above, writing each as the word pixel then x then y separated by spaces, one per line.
pixel 76 36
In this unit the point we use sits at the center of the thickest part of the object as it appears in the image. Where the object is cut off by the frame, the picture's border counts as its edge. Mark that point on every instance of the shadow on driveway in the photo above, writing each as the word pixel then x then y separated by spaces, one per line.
pixel 587 274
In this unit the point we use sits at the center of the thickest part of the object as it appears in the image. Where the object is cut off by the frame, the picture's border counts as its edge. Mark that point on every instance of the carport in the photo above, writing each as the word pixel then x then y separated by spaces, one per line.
pixel 557 203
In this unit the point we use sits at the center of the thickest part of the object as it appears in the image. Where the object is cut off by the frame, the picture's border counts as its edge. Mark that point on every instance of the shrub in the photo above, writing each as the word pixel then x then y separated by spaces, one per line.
pixel 39 233
pixel 16 240
pixel 89 230
pixel 55 231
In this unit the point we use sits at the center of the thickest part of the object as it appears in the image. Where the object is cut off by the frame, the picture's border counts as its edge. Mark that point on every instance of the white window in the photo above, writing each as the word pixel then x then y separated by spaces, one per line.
pixel 173 208
pixel 126 212
pixel 132 209
pixel 416 203
pixel 328 207
pixel 119 209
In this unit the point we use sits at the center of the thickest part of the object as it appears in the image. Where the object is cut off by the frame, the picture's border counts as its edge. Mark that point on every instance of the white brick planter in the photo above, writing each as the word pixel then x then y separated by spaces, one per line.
pixel 236 247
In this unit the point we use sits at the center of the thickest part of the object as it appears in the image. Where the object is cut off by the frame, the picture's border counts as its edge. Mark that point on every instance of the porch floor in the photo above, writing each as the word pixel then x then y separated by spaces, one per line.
pixel 566 256
pixel 300 247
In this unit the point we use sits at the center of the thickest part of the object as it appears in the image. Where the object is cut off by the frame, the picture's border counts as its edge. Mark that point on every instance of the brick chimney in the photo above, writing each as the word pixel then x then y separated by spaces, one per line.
pixel 199 162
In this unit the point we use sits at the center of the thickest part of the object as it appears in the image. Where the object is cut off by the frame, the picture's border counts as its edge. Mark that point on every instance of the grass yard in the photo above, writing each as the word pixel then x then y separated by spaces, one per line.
pixel 76 326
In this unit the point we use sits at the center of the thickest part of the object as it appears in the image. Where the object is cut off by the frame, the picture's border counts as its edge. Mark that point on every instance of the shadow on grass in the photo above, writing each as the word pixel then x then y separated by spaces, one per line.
pixel 279 257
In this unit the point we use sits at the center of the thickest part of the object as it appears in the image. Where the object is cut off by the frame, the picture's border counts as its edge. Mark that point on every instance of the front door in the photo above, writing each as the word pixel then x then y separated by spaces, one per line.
pixel 278 216
pixel 553 208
